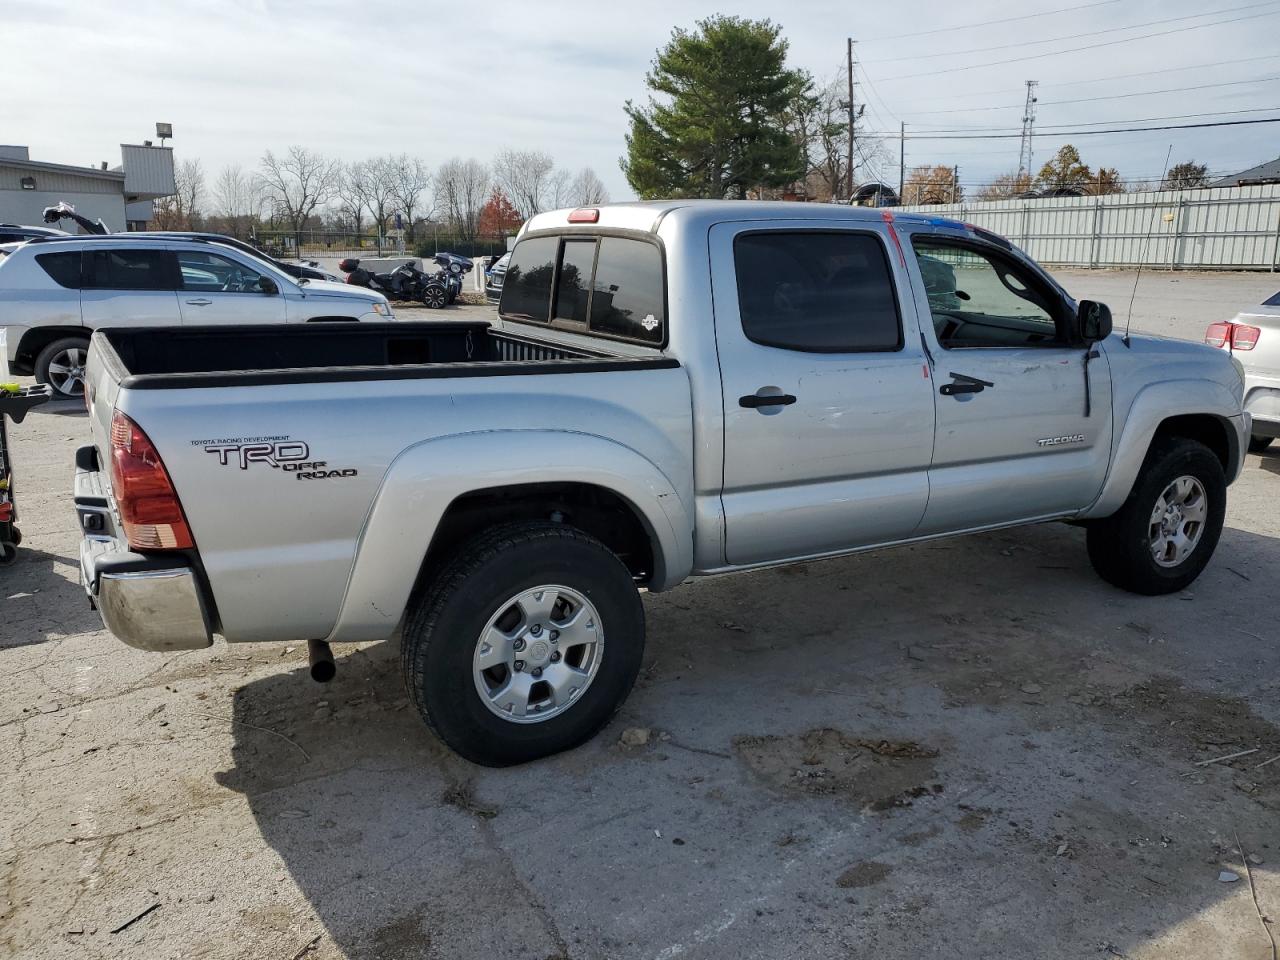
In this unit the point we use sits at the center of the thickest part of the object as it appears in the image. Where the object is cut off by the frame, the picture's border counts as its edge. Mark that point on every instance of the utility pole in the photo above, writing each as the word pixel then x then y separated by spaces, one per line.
pixel 849 169
pixel 1028 129
pixel 902 160
pixel 955 184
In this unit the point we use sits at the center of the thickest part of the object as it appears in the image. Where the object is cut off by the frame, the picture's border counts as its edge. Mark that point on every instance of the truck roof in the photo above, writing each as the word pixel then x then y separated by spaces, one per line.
pixel 646 215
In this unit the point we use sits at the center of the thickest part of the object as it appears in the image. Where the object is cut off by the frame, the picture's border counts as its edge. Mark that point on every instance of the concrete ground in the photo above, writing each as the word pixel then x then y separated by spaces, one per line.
pixel 972 748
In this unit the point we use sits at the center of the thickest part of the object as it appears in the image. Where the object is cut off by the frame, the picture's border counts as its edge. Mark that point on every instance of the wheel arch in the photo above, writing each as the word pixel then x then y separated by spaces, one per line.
pixel 1199 410
pixel 442 491
pixel 37 338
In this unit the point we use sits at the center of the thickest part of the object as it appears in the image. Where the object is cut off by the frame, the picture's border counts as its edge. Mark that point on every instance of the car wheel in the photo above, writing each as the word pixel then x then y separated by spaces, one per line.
pixel 435 297
pixel 1258 444
pixel 525 645
pixel 1166 531
pixel 61 365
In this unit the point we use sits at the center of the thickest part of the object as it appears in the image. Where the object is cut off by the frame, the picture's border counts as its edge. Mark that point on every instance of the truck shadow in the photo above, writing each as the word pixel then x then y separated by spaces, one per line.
pixel 874 750
pixel 38 602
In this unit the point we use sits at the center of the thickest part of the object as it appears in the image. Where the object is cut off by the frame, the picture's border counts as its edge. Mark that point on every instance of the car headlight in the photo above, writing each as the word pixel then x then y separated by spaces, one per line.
pixel 383 309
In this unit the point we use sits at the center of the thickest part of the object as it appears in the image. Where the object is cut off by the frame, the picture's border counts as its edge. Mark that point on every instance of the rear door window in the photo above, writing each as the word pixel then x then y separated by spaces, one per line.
pixel 63 267
pixel 818 292
pixel 526 289
pixel 131 270
pixel 628 296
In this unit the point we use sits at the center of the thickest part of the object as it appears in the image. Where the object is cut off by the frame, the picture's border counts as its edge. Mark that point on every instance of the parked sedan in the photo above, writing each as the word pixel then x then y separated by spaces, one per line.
pixel 1253 338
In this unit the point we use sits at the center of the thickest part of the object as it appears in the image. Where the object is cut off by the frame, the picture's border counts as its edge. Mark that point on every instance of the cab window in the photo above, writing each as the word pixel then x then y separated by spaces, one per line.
pixel 982 299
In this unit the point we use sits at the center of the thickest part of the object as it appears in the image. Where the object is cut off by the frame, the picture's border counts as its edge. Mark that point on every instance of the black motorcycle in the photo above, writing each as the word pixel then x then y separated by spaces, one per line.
pixel 452 269
pixel 405 282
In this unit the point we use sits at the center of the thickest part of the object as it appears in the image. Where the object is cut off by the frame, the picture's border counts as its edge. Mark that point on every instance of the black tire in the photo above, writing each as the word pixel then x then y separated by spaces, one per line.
pixel 445 624
pixel 1258 444
pixel 435 297
pixel 1120 545
pixel 63 387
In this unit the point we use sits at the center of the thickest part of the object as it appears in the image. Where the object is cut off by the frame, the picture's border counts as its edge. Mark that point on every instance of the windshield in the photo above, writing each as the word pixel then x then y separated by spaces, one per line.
pixel 1273 300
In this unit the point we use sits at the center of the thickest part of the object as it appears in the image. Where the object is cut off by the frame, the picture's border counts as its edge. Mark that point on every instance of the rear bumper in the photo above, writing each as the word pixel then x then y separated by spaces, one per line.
pixel 1262 402
pixel 148 602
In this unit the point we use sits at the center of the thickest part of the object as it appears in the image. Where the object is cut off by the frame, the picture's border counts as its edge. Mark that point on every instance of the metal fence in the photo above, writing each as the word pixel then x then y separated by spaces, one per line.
pixel 1220 228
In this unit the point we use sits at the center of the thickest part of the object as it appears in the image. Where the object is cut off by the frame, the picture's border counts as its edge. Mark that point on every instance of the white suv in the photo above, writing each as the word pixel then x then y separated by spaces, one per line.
pixel 55 292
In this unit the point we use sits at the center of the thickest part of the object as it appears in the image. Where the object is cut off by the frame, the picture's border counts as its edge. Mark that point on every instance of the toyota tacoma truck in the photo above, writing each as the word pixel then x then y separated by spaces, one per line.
pixel 669 390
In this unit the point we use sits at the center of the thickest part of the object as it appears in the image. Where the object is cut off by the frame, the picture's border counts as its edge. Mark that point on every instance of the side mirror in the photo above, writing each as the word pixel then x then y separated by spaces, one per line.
pixel 1093 321
pixel 267 286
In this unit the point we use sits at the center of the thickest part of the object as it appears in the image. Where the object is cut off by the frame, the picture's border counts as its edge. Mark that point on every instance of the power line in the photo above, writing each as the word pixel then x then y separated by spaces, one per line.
pixel 1112 96
pixel 1102 123
pixel 1118 76
pixel 1074 36
pixel 1091 133
pixel 1089 46
pixel 987 23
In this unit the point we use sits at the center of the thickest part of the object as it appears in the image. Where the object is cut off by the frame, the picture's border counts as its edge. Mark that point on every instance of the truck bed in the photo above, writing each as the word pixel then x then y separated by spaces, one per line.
pixel 212 356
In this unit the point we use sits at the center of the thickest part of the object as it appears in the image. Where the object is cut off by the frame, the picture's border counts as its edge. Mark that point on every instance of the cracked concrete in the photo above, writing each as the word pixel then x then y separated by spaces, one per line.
pixel 1063 721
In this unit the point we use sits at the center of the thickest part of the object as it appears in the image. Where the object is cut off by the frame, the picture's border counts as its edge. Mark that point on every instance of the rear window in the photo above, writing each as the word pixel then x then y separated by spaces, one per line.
pixel 526 289
pixel 609 286
pixel 63 267
pixel 1272 301
pixel 131 270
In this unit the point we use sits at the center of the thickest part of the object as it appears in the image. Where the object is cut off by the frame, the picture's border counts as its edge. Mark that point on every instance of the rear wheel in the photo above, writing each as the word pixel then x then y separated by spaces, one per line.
pixel 435 297
pixel 1164 534
pixel 1258 444
pixel 525 645
pixel 61 365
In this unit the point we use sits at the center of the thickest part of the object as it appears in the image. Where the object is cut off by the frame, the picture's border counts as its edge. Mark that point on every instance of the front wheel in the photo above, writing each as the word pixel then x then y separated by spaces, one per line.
pixel 525 645
pixel 61 365
pixel 1164 534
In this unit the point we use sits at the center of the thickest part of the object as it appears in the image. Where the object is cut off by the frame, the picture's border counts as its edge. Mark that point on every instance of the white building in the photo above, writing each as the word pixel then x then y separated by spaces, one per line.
pixel 120 196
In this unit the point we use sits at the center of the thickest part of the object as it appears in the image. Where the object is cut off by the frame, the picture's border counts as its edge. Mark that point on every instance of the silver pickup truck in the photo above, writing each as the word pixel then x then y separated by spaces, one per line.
pixel 671 389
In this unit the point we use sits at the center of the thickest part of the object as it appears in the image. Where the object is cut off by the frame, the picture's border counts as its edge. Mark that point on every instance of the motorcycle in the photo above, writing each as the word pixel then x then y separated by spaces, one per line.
pixel 453 268
pixel 405 282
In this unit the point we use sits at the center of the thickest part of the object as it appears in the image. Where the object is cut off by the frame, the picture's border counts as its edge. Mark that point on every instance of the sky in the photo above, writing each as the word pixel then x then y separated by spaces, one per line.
pixel 435 80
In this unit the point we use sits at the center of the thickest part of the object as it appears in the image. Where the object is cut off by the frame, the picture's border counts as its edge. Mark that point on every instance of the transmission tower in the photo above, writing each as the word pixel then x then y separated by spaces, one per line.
pixel 1028 128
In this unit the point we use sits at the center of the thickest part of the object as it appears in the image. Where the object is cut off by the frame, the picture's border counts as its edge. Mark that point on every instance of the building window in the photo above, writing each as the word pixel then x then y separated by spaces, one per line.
pixel 28 183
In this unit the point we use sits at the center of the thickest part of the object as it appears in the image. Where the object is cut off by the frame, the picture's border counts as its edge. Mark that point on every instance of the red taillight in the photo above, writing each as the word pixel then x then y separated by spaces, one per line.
pixel 149 507
pixel 584 215
pixel 1244 337
pixel 1217 334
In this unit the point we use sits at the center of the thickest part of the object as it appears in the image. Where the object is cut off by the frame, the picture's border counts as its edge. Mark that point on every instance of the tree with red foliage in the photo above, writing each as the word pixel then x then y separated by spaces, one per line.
pixel 498 216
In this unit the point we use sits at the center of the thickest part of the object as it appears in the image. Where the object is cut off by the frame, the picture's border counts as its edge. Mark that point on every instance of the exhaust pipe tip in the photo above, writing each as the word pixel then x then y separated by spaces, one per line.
pixel 320 657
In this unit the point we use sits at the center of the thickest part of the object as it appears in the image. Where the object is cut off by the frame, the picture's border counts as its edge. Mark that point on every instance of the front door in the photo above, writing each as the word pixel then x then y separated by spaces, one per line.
pixel 828 407
pixel 218 289
pixel 1023 428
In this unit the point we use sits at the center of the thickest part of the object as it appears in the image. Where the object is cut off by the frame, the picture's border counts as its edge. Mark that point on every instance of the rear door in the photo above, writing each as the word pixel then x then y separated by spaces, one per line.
pixel 215 288
pixel 129 286
pixel 828 406
pixel 1023 429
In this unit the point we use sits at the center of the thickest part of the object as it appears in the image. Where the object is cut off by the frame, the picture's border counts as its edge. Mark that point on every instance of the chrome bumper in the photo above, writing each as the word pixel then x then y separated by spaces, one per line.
pixel 149 602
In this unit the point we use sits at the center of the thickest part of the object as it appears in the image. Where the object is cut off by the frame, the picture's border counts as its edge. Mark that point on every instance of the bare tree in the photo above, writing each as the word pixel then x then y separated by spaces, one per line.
pixel 349 193
pixel 181 211
pixel 587 189
pixel 373 182
pixel 462 187
pixel 410 179
pixel 233 196
pixel 296 184
pixel 524 176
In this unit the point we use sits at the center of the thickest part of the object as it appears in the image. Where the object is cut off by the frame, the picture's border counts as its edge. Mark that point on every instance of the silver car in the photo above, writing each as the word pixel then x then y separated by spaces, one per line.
pixel 1253 338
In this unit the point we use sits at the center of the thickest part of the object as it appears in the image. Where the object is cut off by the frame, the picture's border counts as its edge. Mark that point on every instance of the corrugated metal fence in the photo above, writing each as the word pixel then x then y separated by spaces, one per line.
pixel 1223 228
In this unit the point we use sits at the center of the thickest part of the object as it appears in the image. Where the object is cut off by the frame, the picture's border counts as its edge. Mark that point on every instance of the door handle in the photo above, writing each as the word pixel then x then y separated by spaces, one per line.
pixel 202 302
pixel 963 383
pixel 754 400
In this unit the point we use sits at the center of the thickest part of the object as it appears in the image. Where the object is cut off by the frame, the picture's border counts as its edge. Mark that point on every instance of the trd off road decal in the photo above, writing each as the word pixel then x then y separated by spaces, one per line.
pixel 281 453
